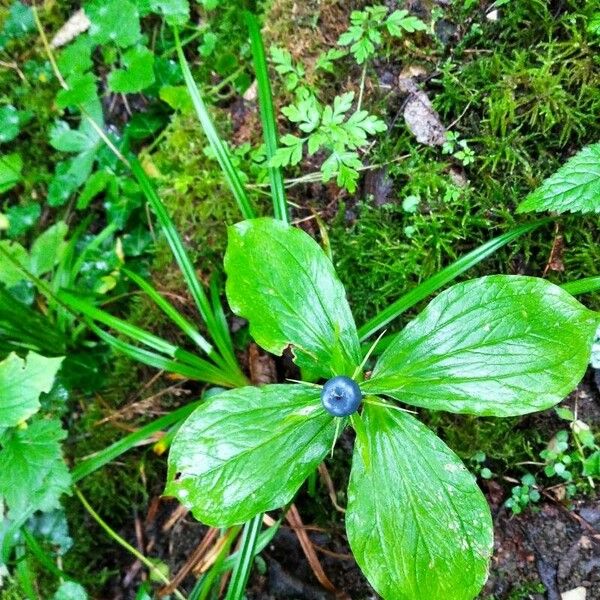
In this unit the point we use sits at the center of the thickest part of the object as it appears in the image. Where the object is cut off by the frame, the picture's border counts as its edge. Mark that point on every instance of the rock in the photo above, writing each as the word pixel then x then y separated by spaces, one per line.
pixel 579 593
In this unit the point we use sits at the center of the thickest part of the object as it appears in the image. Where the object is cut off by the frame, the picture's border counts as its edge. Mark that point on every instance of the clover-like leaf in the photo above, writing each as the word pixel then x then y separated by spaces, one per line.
pixel 138 73
pixel 32 457
pixel 113 20
pixel 499 345
pixel 575 187
pixel 418 525
pixel 247 451
pixel 21 383
pixel 282 282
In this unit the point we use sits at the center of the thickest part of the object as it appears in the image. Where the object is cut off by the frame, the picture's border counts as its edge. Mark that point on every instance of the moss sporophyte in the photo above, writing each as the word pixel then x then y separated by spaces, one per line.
pixel 494 346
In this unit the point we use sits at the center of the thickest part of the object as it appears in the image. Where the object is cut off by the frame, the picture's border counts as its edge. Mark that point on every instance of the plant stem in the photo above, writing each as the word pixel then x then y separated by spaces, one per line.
pixel 362 86
pixel 117 538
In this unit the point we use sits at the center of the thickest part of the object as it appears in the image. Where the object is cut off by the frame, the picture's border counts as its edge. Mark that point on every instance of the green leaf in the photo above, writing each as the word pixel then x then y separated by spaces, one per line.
pixel 69 590
pixel 11 166
pixel 21 383
pixel 176 12
pixel 10 274
pixel 48 248
pixel 575 187
pixel 9 123
pixel 138 73
pixel 591 465
pixel 32 457
pixel 19 21
pixel 77 56
pixel 65 139
pixel 113 20
pixel 400 21
pixel 22 217
pixel 418 525
pixel 499 345
pixel 81 90
pixel 247 451
pixel 282 282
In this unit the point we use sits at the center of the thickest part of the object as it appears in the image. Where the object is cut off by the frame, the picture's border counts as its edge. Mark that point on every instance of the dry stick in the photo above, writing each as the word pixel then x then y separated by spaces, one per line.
pixel 192 560
pixel 326 478
pixel 293 518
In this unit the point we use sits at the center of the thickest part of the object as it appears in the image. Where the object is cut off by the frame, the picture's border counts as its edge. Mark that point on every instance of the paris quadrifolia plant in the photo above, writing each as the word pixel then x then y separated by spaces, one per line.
pixel 417 522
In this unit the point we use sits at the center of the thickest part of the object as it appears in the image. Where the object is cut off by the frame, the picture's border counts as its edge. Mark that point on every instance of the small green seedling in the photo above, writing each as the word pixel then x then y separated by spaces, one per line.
pixel 417 523
pixel 368 26
pixel 336 129
pixel 523 495
pixel 458 148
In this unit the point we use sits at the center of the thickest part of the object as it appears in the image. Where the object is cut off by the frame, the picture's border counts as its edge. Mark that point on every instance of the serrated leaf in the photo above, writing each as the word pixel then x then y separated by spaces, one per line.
pixel 400 21
pixel 290 153
pixel 33 474
pixel 48 248
pixel 418 525
pixel 281 281
pixel 138 73
pixel 113 20
pixel 81 90
pixel 500 345
pixel 247 451
pixel 21 383
pixel 575 187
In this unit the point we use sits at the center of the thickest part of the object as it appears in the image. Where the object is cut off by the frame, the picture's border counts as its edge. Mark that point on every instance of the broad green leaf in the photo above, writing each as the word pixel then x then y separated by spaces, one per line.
pixel 113 20
pixel 21 383
pixel 81 90
pixel 10 274
pixel 11 166
pixel 48 248
pixel 9 123
pixel 138 73
pixel 499 345
pixel 418 525
pixel 19 21
pixel 32 457
pixel 575 187
pixel 284 284
pixel 77 56
pixel 65 139
pixel 247 451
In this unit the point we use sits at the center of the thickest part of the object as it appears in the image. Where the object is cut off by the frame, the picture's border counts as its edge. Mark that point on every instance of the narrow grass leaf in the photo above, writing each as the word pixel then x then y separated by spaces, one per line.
pixel 267 116
pixel 97 461
pixel 219 148
pixel 243 565
pixel 443 277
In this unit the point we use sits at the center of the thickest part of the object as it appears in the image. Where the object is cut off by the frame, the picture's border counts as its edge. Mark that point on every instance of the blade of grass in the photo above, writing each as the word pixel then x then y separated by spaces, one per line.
pixel 231 174
pixel 440 279
pixel 219 334
pixel 42 556
pixel 243 565
pixel 173 314
pixel 201 371
pixel 582 286
pixel 267 116
pixel 97 461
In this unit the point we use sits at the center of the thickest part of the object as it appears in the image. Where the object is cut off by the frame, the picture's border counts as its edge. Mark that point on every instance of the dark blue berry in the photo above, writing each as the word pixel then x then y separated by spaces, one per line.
pixel 341 396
